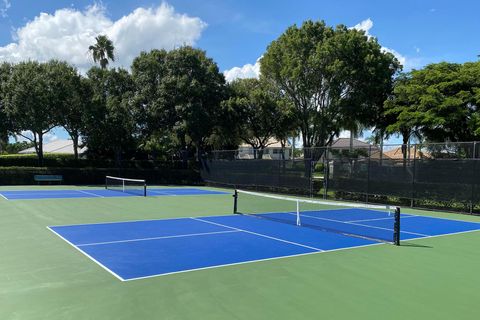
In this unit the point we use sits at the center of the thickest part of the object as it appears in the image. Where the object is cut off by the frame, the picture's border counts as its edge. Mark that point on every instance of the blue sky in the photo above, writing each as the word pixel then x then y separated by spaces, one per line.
pixel 234 33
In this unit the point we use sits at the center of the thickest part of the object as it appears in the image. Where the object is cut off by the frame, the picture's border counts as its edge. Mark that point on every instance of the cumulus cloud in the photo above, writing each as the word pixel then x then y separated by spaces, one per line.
pixel 4 6
pixel 365 26
pixel 247 71
pixel 67 34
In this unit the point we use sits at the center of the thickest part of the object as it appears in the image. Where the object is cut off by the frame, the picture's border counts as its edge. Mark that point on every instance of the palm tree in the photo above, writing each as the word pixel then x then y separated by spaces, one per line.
pixel 102 51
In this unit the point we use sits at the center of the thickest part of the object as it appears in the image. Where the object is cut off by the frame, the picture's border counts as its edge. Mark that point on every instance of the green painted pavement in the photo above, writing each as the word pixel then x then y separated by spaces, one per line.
pixel 42 277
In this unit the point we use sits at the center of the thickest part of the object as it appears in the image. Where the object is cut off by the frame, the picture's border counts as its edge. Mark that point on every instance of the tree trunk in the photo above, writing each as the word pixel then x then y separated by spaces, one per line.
pixel 75 145
pixel 118 155
pixel 40 148
pixel 405 137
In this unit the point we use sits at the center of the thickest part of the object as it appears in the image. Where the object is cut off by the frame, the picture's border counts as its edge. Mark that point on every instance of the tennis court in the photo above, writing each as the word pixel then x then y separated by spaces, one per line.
pixel 100 193
pixel 181 257
pixel 133 250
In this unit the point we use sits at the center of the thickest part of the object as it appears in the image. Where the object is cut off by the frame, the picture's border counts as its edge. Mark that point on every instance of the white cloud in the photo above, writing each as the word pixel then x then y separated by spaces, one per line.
pixel 4 6
pixel 67 34
pixel 366 25
pixel 247 71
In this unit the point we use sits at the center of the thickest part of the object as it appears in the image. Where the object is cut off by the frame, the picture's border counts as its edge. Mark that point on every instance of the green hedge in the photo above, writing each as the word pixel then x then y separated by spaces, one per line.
pixel 68 161
pixel 95 176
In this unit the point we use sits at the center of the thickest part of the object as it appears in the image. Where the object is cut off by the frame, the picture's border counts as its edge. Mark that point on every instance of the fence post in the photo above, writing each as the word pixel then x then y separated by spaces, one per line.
pixel 368 171
pixel 326 172
pixel 474 166
pixel 412 201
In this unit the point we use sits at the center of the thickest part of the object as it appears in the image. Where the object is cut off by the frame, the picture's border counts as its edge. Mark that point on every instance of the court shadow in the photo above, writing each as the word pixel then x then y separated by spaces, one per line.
pixel 414 245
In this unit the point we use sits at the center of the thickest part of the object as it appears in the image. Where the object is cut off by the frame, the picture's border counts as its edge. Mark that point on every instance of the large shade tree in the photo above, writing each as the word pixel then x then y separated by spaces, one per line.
pixel 440 102
pixel 30 96
pixel 260 114
pixel 179 91
pixel 330 76
pixel 71 101
pixel 5 123
pixel 110 117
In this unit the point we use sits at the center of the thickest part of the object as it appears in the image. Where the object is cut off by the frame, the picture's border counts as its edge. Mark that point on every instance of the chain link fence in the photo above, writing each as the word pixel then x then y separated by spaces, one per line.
pixel 434 175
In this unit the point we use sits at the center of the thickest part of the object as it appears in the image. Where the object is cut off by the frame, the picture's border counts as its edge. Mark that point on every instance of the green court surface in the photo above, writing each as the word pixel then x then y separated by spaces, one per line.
pixel 42 277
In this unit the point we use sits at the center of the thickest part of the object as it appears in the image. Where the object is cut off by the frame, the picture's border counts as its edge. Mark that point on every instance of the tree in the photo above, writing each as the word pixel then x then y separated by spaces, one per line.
pixel 329 75
pixel 72 97
pixel 110 118
pixel 157 118
pixel 439 102
pixel 259 115
pixel 102 51
pixel 28 102
pixel 179 91
pixel 5 123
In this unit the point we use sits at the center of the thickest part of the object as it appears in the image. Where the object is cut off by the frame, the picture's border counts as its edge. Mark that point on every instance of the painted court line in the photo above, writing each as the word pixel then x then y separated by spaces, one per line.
pixel 258 234
pixel 3 197
pixel 88 256
pixel 363 225
pixel 89 193
pixel 156 238
pixel 387 218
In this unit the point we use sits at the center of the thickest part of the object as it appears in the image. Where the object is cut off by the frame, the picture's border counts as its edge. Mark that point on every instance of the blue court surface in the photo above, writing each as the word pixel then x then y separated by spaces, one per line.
pixel 141 249
pixel 101 193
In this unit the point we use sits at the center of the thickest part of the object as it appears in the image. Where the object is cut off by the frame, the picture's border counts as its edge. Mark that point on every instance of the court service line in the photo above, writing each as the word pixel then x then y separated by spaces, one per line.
pixel 361 225
pixel 388 218
pixel 87 255
pixel 258 234
pixel 90 193
pixel 156 238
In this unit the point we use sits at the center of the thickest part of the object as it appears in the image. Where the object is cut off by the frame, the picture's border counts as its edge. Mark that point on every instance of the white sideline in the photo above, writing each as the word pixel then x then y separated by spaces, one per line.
pixel 88 256
pixel 156 238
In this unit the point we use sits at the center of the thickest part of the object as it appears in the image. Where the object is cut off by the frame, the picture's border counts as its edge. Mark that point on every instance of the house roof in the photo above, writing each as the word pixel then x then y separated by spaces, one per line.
pixel 272 143
pixel 345 143
pixel 57 146
pixel 397 153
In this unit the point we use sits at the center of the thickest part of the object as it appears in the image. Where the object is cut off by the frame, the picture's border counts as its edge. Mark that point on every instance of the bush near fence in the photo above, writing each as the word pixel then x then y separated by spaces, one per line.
pixel 68 161
pixel 96 176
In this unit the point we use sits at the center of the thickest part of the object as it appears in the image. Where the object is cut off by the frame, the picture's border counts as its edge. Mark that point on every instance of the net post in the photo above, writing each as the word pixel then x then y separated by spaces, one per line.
pixel 106 182
pixel 235 201
pixel 298 214
pixel 396 227
pixel 145 189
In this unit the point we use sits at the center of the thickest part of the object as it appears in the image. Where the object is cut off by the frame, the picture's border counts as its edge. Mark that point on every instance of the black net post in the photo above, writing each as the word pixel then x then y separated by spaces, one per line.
pixel 235 201
pixel 106 182
pixel 145 189
pixel 396 227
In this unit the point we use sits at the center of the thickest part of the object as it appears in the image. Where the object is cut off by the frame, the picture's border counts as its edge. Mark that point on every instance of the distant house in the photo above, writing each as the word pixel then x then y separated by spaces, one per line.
pixel 56 146
pixel 272 152
pixel 344 143
pixel 412 153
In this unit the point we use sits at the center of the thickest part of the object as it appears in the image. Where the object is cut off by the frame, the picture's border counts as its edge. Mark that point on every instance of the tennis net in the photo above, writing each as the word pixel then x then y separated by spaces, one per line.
pixel 132 186
pixel 374 222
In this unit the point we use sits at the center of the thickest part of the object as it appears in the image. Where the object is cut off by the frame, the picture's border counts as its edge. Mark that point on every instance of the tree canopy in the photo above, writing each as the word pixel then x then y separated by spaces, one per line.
pixel 330 75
